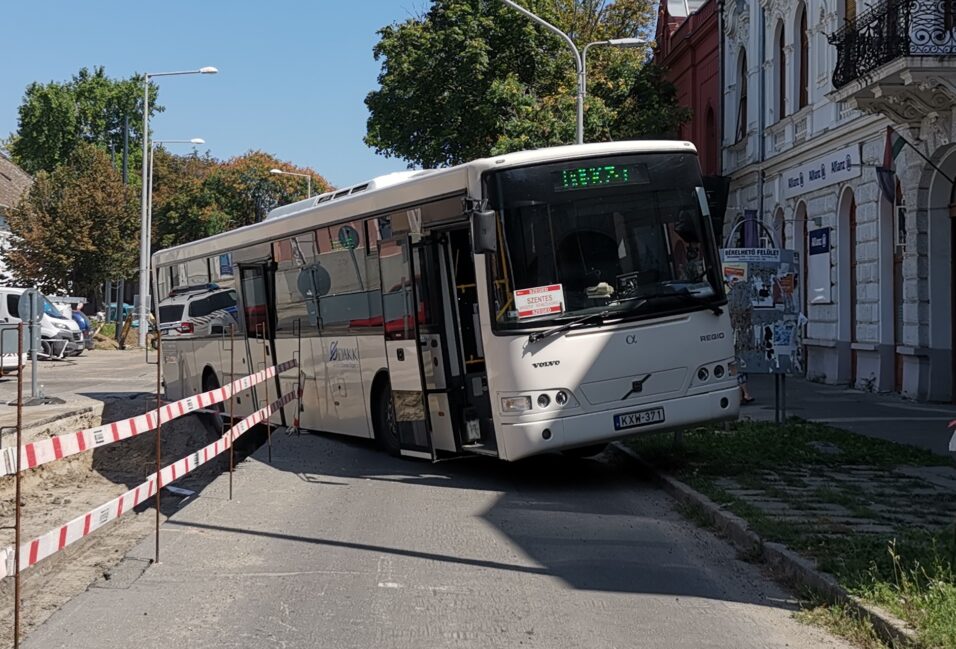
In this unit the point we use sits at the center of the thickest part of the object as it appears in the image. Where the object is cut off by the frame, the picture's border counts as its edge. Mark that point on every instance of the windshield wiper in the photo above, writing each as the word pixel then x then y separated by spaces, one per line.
pixel 682 294
pixel 571 324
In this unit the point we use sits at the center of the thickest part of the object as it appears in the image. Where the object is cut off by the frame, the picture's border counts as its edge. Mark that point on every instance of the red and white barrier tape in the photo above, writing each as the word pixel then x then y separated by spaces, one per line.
pixel 49 450
pixel 57 539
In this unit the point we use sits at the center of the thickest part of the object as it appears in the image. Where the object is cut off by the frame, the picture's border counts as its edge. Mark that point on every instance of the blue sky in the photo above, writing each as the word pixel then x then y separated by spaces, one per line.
pixel 293 75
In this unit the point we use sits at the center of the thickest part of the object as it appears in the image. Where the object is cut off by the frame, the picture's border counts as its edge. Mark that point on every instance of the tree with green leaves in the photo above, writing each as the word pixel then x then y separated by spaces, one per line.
pixel 245 189
pixel 55 117
pixel 472 78
pixel 76 227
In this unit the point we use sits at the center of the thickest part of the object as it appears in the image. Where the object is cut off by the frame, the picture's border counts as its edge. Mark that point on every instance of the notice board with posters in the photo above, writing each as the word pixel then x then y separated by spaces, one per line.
pixel 763 290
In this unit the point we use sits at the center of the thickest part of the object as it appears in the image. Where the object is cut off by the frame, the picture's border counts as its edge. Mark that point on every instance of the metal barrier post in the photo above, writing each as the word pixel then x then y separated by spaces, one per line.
pixel 18 522
pixel 159 431
pixel 298 375
pixel 265 367
pixel 232 400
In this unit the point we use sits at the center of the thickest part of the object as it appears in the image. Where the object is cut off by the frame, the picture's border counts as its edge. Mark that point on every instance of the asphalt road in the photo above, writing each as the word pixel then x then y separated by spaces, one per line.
pixel 337 545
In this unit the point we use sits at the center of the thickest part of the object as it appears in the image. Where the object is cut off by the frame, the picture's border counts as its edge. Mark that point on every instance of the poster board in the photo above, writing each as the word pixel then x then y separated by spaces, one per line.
pixel 763 290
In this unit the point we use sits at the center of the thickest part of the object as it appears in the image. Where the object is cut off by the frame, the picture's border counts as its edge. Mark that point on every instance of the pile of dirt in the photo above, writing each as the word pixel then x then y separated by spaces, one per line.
pixel 56 493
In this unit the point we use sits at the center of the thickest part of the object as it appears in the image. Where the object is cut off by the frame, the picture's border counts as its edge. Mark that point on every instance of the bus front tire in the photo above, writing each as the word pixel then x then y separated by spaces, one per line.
pixel 386 426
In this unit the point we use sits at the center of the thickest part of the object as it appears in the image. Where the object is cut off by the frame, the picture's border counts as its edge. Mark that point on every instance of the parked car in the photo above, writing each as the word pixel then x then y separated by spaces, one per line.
pixel 198 311
pixel 59 336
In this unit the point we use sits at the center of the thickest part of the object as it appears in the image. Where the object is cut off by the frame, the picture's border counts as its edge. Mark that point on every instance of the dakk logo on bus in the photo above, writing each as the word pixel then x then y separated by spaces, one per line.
pixel 343 354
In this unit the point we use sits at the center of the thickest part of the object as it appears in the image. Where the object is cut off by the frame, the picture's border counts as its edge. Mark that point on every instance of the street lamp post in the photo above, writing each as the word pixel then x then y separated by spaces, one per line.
pixel 144 216
pixel 308 178
pixel 149 199
pixel 577 62
pixel 580 59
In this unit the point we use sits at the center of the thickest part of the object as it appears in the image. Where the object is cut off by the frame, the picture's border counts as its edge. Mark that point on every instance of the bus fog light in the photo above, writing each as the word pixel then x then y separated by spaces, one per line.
pixel 702 374
pixel 546 433
pixel 561 397
pixel 515 404
pixel 718 371
pixel 544 401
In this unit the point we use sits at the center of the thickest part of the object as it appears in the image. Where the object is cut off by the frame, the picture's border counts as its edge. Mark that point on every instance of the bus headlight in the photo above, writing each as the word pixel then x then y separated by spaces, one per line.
pixel 561 397
pixel 544 401
pixel 719 372
pixel 515 404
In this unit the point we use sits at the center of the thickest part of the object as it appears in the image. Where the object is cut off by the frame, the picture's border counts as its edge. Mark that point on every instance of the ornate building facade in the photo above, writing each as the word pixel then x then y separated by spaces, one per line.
pixel 838 123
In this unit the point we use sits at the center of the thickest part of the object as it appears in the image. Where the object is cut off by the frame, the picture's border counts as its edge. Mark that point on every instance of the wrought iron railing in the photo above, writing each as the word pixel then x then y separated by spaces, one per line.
pixel 891 29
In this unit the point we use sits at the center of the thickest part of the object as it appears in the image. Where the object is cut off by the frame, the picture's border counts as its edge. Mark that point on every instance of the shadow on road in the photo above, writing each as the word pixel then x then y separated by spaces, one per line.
pixel 595 524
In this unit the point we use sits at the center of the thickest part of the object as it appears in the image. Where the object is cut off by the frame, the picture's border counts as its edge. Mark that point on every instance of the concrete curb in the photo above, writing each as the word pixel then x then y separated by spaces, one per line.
pixel 783 561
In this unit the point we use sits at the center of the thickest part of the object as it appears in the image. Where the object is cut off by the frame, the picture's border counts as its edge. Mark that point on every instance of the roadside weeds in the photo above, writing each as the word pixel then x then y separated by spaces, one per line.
pixel 866 524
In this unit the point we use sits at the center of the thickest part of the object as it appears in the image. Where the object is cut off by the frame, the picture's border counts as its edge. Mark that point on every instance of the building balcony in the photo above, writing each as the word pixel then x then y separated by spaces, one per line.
pixel 898 58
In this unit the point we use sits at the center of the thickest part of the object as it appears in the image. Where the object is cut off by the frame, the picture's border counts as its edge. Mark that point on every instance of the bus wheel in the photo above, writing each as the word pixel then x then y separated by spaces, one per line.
pixel 585 451
pixel 386 426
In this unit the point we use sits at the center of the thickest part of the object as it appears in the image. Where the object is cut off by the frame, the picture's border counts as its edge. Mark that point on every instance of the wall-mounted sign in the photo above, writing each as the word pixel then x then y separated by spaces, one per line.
pixel 818 267
pixel 830 169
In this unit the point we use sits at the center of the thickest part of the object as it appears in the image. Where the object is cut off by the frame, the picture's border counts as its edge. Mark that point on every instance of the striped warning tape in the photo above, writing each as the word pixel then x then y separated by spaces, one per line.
pixel 49 450
pixel 57 539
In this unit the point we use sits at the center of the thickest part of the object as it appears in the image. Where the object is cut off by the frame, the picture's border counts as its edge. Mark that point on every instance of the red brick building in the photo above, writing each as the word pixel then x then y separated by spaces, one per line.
pixel 687 47
pixel 688 37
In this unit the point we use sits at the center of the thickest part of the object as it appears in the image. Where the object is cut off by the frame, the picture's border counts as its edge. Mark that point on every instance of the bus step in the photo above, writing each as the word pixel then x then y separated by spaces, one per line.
pixel 479 449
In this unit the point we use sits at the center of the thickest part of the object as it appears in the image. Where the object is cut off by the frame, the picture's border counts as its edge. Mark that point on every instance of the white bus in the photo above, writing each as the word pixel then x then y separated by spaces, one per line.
pixel 548 300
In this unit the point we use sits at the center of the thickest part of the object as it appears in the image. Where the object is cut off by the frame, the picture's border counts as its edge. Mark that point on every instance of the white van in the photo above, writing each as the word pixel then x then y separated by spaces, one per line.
pixel 59 336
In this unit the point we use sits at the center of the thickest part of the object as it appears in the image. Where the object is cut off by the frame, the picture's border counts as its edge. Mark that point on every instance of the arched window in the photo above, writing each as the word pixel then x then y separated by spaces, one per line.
pixel 781 72
pixel 804 72
pixel 742 94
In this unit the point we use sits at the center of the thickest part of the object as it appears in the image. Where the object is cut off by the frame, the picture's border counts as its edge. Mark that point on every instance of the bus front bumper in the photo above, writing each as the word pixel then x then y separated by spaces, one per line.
pixel 543 436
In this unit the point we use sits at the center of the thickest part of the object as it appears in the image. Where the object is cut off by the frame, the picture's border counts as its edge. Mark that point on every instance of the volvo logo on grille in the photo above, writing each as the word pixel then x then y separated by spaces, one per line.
pixel 546 364
pixel 636 386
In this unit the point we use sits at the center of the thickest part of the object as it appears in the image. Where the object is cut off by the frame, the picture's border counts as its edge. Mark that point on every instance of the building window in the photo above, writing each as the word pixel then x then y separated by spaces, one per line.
pixel 804 90
pixel 781 74
pixel 742 104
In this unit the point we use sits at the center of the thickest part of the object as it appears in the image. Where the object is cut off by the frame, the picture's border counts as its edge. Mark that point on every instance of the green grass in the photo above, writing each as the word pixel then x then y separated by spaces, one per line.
pixel 910 571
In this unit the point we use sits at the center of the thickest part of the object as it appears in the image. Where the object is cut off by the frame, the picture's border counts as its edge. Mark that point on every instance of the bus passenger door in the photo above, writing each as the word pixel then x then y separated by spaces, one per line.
pixel 258 314
pixel 404 311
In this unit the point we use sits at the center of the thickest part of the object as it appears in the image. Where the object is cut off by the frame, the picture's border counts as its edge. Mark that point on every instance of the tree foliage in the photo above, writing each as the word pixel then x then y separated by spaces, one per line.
pixel 55 117
pixel 76 227
pixel 246 190
pixel 470 78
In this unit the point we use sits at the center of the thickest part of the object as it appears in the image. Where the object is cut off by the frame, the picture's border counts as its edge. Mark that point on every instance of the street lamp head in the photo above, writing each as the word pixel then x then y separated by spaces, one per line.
pixel 627 42
pixel 276 171
pixel 208 70
pixel 197 140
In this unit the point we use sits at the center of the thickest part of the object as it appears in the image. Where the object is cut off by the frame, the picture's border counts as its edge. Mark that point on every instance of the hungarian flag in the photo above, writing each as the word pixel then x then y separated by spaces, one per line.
pixel 894 144
pixel 887 174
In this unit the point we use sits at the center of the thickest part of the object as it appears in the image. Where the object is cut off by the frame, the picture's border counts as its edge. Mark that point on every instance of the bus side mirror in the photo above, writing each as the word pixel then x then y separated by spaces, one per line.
pixel 484 232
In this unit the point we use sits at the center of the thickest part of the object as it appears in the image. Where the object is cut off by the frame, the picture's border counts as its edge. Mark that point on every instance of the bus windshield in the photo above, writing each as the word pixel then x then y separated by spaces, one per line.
pixel 623 236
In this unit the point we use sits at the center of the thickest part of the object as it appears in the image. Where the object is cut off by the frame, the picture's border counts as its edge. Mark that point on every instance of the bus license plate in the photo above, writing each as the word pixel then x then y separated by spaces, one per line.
pixel 639 418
